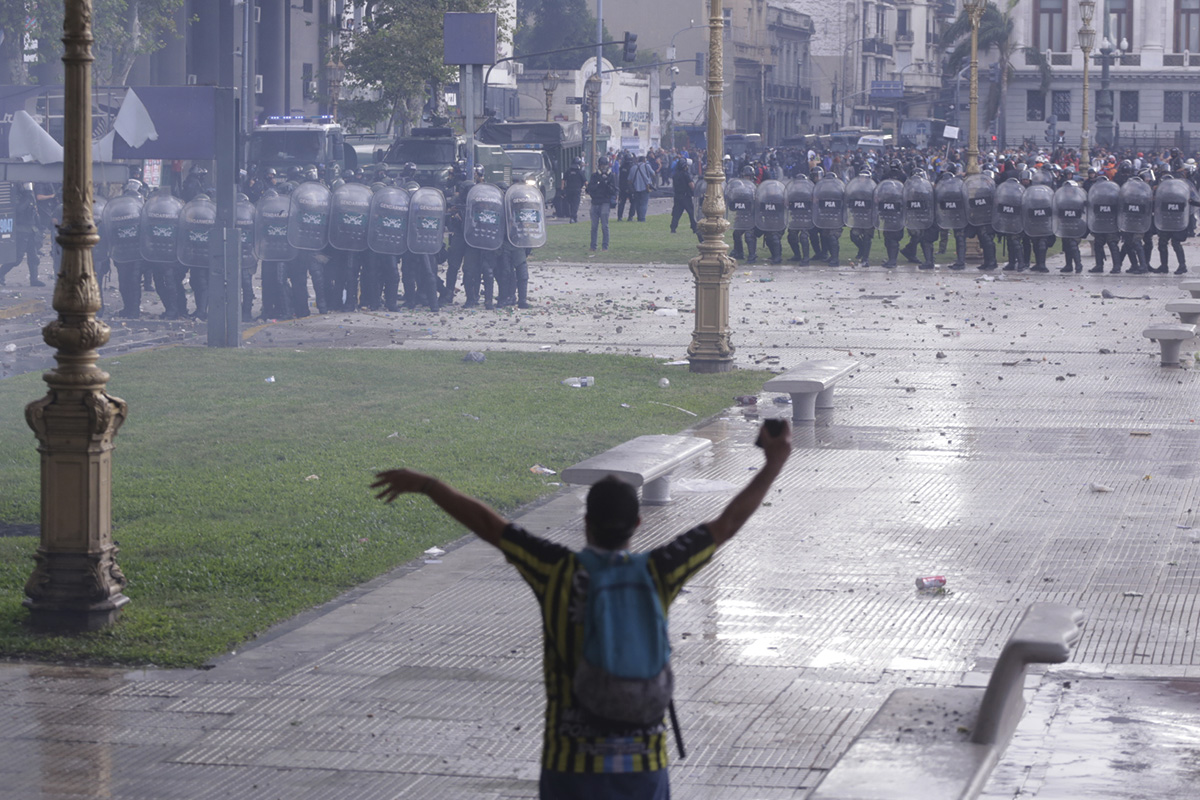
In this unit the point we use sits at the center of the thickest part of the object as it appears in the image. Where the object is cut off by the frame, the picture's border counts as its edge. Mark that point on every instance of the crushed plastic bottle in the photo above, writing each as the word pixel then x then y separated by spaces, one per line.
pixel 579 383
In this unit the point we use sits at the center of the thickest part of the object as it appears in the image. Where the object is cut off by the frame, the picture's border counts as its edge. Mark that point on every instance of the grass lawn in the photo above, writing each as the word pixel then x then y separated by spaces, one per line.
pixel 238 503
pixel 652 241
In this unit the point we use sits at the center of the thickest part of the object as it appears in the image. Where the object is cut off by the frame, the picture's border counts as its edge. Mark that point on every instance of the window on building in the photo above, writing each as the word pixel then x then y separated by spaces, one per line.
pixel 1120 21
pixel 1129 106
pixel 1050 26
pixel 1187 29
pixel 1060 105
pixel 308 6
pixel 902 28
pixel 1193 107
pixel 1035 105
pixel 1172 106
pixel 308 86
pixel 881 21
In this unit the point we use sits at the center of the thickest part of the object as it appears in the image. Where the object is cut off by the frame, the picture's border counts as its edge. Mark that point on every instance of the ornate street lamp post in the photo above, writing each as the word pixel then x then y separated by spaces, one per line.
pixel 1087 39
pixel 711 350
pixel 76 583
pixel 1104 100
pixel 974 9
pixel 549 84
pixel 335 73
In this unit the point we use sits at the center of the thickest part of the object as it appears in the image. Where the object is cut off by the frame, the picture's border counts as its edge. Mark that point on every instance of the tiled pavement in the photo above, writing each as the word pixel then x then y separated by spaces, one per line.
pixel 967 444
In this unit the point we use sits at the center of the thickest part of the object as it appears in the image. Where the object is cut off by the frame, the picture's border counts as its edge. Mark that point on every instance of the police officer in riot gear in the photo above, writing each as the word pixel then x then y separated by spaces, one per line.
pixel 1102 222
pixel 27 232
pixel 1070 222
pixel 860 215
pixel 799 192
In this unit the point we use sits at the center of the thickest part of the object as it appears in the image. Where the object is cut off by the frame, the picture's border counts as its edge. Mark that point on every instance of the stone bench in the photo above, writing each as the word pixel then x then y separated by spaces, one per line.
pixel 1170 337
pixel 1188 310
pixel 646 461
pixel 811 385
pixel 1191 287
pixel 938 743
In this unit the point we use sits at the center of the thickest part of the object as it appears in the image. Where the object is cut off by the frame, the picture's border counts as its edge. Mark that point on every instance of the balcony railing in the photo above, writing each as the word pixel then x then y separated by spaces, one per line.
pixel 877 47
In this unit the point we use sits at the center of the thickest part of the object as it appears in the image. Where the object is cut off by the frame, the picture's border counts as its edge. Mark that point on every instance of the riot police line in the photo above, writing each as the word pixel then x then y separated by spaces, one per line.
pixel 372 246
pixel 1024 213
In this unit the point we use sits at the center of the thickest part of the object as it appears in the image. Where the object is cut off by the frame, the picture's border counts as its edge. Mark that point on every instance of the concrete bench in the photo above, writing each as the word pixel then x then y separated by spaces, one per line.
pixel 1191 287
pixel 646 461
pixel 1188 310
pixel 932 744
pixel 1170 337
pixel 811 385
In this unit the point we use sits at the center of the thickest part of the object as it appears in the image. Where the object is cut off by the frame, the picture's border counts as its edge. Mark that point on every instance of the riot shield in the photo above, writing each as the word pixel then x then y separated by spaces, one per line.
pixel 1070 212
pixel 889 205
pixel 799 192
pixel 160 228
pixel 525 209
pixel 123 218
pixel 860 202
pixel 1037 210
pixel 770 206
pixel 244 222
pixel 387 228
pixel 349 210
pixel 483 224
pixel 951 197
pixel 1102 207
pixel 427 220
pixel 1042 177
pixel 739 200
pixel 980 191
pixel 102 250
pixel 197 221
pixel 271 227
pixel 1135 206
pixel 1007 217
pixel 1171 205
pixel 829 198
pixel 919 203
pixel 308 219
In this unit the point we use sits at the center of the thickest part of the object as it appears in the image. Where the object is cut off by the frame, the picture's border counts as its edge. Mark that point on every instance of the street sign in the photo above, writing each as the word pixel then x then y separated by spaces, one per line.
pixel 887 90
pixel 574 101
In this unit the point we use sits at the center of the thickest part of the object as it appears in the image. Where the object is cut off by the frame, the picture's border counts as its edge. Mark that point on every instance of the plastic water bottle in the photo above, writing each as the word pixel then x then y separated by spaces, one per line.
pixel 579 383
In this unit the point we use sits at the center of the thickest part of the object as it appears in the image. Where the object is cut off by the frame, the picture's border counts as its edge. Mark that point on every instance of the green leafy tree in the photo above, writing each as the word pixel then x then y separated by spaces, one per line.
pixel 122 29
pixel 995 31
pixel 552 25
pixel 394 63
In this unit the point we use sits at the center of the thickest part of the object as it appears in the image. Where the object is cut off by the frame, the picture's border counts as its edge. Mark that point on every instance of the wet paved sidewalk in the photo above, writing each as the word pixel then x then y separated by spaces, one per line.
pixel 967 445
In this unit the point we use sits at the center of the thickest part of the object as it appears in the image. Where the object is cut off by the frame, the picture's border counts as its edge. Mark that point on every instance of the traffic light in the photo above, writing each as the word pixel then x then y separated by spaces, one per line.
pixel 1051 132
pixel 700 64
pixel 664 99
pixel 630 47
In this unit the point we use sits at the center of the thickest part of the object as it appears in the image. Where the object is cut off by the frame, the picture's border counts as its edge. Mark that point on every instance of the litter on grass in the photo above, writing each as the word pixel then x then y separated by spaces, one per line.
pixel 538 469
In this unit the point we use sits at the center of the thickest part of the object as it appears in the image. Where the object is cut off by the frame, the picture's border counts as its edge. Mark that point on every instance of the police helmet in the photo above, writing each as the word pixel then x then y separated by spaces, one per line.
pixel 1147 175
pixel 1125 166
pixel 1026 175
pixel 818 173
pixel 270 173
pixel 747 171
pixel 864 173
pixel 133 185
pixel 336 183
pixel 603 161
pixel 919 173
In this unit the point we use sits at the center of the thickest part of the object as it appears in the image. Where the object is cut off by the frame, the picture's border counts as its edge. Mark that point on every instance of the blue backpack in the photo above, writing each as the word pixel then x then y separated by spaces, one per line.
pixel 624 678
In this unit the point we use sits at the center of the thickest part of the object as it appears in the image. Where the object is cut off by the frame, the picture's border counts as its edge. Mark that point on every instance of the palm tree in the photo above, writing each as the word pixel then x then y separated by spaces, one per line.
pixel 995 30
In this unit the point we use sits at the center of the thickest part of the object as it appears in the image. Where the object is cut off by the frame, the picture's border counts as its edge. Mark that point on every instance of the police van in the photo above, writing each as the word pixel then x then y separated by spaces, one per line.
pixel 296 141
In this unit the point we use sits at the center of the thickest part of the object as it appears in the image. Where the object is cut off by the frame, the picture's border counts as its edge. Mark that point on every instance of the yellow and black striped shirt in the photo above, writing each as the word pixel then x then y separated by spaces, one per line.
pixel 570 742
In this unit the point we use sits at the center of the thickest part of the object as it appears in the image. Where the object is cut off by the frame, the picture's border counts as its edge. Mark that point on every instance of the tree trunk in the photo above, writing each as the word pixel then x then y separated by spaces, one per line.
pixel 125 52
pixel 12 63
pixel 1003 126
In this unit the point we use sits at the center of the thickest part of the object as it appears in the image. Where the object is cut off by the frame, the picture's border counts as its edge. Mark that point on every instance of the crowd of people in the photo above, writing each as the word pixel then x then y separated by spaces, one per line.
pixel 1130 203
pixel 333 243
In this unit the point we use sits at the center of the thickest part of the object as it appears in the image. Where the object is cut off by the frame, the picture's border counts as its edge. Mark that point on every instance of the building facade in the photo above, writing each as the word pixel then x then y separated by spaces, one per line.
pixel 1153 64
